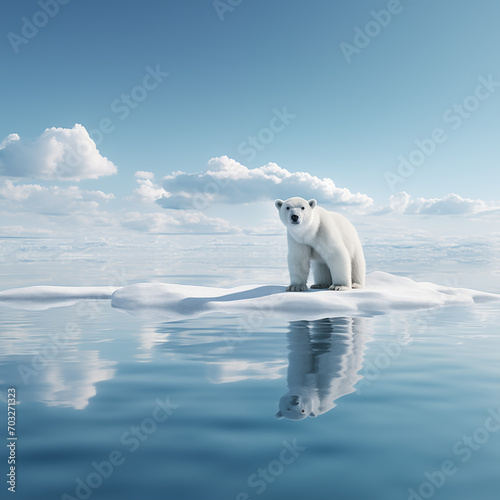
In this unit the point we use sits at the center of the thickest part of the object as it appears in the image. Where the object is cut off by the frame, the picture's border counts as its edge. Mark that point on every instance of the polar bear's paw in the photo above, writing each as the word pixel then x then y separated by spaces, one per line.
pixel 357 285
pixel 339 288
pixel 319 287
pixel 297 288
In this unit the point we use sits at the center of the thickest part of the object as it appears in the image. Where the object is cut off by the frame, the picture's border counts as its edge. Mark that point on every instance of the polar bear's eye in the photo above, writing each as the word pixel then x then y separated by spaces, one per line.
pixel 288 208
pixel 302 208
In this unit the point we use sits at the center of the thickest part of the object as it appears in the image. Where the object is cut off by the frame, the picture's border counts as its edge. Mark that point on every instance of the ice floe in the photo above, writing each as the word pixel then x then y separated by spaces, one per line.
pixel 384 293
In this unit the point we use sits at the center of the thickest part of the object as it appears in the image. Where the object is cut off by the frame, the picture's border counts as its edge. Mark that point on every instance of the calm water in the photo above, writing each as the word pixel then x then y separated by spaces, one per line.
pixel 114 407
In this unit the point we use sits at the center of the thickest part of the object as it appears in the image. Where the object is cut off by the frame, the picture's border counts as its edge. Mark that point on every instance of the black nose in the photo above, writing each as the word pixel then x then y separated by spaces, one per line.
pixel 295 218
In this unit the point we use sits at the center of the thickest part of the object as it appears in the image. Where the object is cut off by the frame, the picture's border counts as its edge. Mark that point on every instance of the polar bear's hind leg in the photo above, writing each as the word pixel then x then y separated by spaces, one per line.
pixel 358 270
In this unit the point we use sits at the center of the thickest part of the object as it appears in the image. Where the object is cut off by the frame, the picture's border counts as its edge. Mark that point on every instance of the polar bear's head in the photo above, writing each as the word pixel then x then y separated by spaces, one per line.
pixel 295 407
pixel 295 211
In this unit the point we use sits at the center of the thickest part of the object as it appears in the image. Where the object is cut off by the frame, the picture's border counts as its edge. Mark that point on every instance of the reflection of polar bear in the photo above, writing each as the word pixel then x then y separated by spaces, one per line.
pixel 327 239
pixel 324 360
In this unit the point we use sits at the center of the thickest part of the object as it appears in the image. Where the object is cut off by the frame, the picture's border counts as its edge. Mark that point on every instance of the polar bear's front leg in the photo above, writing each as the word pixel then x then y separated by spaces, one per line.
pixel 299 260
pixel 321 273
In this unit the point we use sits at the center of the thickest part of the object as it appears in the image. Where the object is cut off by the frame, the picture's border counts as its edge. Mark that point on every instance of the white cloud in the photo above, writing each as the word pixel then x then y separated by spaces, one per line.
pixel 178 221
pixel 451 204
pixel 9 191
pixel 147 191
pixel 227 181
pixel 141 174
pixel 59 153
pixel 50 200
pixel 11 138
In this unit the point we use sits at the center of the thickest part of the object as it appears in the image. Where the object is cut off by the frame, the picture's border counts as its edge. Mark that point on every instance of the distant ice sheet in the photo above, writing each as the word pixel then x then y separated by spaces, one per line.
pixel 166 302
pixel 38 298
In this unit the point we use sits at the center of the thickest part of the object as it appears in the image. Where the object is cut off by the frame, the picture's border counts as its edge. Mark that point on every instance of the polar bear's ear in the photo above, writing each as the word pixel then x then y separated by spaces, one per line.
pixel 312 203
pixel 278 204
pixel 312 414
pixel 279 415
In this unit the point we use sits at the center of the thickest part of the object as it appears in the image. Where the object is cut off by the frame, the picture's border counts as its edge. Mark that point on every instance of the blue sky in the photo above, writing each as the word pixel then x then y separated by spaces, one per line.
pixel 229 78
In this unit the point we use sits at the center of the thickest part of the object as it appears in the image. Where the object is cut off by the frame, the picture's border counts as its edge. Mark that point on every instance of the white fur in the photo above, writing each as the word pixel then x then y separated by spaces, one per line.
pixel 325 240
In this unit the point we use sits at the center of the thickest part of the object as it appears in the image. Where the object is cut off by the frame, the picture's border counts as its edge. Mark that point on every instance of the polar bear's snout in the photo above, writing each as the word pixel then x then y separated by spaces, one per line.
pixel 295 215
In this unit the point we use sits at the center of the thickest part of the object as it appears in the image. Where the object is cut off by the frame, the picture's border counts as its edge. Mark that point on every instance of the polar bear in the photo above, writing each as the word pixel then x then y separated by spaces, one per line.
pixel 324 361
pixel 327 240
